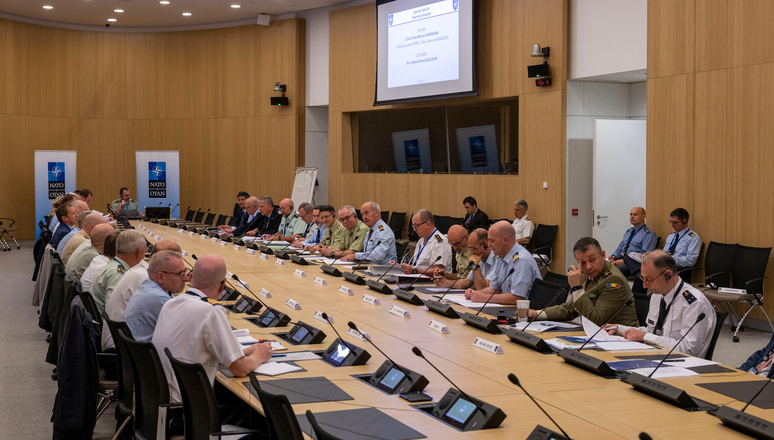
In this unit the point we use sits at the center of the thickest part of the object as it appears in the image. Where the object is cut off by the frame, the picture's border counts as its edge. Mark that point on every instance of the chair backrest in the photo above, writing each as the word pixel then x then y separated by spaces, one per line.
pixel 189 216
pixel 543 238
pixel 396 223
pixel 454 221
pixel 279 414
pixel 125 374
pixel 200 408
pixel 385 216
pixel 721 318
pixel 718 259
pixel 221 220
pixel 232 221
pixel 198 217
pixel 749 264
pixel 91 306
pixel 236 209
pixel 544 294
pixel 641 307
pixel 210 218
pixel 400 248
pixel 151 389
pixel 319 432
pixel 441 223
pixel 556 278
pixel 358 214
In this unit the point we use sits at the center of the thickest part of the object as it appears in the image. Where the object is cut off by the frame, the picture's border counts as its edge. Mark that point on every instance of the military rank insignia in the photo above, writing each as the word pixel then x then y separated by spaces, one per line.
pixel 439 238
pixel 613 286
pixel 381 227
pixel 121 269
pixel 515 257
pixel 689 297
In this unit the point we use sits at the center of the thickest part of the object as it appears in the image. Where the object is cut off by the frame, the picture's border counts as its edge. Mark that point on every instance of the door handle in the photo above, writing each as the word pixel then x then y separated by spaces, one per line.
pixel 601 217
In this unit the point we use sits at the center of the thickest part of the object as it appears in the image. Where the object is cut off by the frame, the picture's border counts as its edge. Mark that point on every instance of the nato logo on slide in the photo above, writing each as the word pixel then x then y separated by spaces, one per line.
pixel 477 151
pixel 389 19
pixel 56 179
pixel 157 180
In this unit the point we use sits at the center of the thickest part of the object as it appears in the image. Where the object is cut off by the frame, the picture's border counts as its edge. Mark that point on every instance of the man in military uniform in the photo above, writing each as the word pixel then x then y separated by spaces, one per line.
pixel 334 232
pixel 290 225
pixel 458 239
pixel 674 308
pixel 124 206
pixel 683 244
pixel 353 237
pixel 380 233
pixel 431 245
pixel 514 271
pixel 481 261
pixel 130 251
pixel 598 288
pixel 523 226
pixel 638 239
pixel 87 251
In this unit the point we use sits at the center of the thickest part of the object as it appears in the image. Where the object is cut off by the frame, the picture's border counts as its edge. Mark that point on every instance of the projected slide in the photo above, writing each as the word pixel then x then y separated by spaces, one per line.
pixel 424 44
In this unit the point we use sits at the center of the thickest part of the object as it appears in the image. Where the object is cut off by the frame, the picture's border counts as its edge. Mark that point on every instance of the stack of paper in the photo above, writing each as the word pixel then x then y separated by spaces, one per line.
pixel 276 368
pixel 460 299
pixel 665 372
pixel 543 326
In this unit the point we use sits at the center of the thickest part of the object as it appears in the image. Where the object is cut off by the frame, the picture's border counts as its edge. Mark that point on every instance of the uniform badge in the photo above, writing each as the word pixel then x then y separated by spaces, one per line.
pixel 439 239
pixel 650 321
pixel 692 234
pixel 613 286
pixel 515 257
pixel 381 227
pixel 121 269
pixel 689 297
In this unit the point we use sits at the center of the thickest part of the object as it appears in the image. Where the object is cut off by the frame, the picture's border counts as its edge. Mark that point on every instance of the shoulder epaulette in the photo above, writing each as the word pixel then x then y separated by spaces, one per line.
pixel 692 234
pixel 515 257
pixel 439 239
pixel 381 228
pixel 689 297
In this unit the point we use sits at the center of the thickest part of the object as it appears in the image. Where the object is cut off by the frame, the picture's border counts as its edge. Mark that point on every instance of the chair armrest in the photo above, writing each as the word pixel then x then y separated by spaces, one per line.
pixel 6 218
pixel 171 405
pixel 542 247
pixel 688 268
pixel 239 432
pixel 708 278
pixel 747 287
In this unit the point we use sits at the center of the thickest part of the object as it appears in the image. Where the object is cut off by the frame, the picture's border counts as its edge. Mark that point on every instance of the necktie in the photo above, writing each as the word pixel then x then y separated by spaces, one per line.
pixel 306 231
pixel 663 311
pixel 631 237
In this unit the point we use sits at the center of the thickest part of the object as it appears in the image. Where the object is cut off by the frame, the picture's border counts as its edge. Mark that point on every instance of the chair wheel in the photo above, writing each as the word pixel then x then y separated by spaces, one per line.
pixel 736 338
pixel 53 376
pixel 48 338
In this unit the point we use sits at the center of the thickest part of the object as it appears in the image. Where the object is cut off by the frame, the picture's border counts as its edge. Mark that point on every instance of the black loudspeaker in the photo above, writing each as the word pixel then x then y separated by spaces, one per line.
pixel 456 410
pixel 281 100
pixel 345 355
pixel 303 334
pixel 228 294
pixel 539 70
pixel 392 380
pixel 246 305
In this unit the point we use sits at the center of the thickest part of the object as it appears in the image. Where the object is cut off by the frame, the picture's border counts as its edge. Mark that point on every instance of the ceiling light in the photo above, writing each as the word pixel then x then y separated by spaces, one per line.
pixel 164 2
pixel 187 14
pixel 48 7
pixel 235 6
pixel 111 19
pixel 118 10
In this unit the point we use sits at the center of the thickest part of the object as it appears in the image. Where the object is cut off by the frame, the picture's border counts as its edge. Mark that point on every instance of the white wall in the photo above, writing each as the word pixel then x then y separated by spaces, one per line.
pixel 587 101
pixel 606 36
pixel 316 149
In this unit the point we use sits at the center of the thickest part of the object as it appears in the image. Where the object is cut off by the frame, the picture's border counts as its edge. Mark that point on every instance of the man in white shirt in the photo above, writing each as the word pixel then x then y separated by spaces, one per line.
pixel 431 245
pixel 522 225
pixel 674 308
pixel 196 331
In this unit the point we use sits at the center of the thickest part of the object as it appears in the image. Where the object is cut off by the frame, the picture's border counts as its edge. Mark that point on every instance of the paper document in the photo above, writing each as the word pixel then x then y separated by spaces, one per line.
pixel 689 362
pixel 297 356
pixel 665 372
pixel 247 340
pixel 276 346
pixel 542 326
pixel 241 332
pixel 636 256
pixel 443 290
pixel 562 343
pixel 459 298
pixel 590 328
pixel 623 345
pixel 276 368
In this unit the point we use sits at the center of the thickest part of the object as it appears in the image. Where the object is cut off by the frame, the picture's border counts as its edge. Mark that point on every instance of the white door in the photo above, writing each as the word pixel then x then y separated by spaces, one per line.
pixel 619 177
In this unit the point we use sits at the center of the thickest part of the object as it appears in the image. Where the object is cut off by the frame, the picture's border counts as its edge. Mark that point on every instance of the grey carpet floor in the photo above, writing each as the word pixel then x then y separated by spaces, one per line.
pixel 27 391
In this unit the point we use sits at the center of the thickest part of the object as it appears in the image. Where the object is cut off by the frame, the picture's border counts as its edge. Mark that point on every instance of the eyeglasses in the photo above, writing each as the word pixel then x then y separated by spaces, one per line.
pixel 459 242
pixel 417 226
pixel 346 217
pixel 672 222
pixel 182 273
pixel 325 216
pixel 477 246
pixel 644 280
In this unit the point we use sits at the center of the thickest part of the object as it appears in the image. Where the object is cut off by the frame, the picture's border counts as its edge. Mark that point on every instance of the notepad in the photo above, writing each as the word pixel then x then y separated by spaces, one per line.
pixel 276 368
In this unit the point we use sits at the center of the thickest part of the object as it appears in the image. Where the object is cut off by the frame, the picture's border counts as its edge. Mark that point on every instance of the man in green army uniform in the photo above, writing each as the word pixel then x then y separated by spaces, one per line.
pixel 597 293
pixel 130 251
pixel 334 232
pixel 354 235
pixel 124 206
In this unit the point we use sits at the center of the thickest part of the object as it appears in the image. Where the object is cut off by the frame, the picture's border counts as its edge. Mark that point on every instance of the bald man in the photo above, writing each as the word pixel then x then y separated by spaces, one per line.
pixel 86 222
pixel 195 331
pixel 458 239
pixel 506 287
pixel 87 251
pixel 291 224
pixel 638 239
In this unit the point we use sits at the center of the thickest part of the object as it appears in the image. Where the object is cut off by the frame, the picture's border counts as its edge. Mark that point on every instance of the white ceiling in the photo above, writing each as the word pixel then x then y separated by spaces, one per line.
pixel 150 13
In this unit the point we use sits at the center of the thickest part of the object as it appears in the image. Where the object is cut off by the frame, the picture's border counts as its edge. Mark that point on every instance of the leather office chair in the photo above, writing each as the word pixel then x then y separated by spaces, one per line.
pixel 319 432
pixel 282 421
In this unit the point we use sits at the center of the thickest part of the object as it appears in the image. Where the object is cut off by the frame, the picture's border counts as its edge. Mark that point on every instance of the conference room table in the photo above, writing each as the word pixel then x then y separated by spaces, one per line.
pixel 583 404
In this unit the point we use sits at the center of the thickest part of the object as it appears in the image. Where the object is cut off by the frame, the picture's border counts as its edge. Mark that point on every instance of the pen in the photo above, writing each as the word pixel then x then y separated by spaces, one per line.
pixel 278 355
pixel 266 340
pixel 674 360
pixel 613 328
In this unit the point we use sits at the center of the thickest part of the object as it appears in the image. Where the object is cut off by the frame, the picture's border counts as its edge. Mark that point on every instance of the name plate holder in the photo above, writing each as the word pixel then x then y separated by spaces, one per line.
pixel 191 233
pixel 320 281
pixel 150 233
pixel 293 304
pixel 346 290
pixel 185 254
pixel 243 284
pixel 180 230
pixel 261 256
pixel 264 293
pixel 213 239
pixel 397 311
pixel 222 242
pixel 250 252
pixel 277 261
pixel 203 236
pixel 370 299
pixel 237 247
pixel 356 334
pixel 488 346
pixel 299 273
pixel 439 327
pixel 318 315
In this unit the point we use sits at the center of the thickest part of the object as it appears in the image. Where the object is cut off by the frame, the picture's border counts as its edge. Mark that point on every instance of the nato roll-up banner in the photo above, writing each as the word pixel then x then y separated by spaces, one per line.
pixel 54 177
pixel 477 147
pixel 412 151
pixel 158 179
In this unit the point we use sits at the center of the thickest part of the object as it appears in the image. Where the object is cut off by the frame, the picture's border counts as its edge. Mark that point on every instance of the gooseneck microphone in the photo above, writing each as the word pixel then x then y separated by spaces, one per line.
pixel 173 210
pixel 626 304
pixel 452 285
pixel 325 317
pixel 513 269
pixel 369 253
pixel 410 287
pixel 157 207
pixel 419 353
pixel 698 320
pixel 561 291
pixel 515 380
pixel 387 271
pixel 330 269
pixel 368 338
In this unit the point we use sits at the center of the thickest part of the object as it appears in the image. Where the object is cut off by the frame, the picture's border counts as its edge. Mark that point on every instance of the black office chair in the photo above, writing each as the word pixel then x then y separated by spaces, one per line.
pixel 125 392
pixel 358 215
pixel 400 248
pixel 544 294
pixel 441 223
pixel 200 408
pixel 282 421
pixel 454 221
pixel 385 216
pixel 91 306
pixel 641 307
pixel 151 390
pixel 396 223
pixel 319 432
pixel 543 242
pixel 721 318
pixel 556 278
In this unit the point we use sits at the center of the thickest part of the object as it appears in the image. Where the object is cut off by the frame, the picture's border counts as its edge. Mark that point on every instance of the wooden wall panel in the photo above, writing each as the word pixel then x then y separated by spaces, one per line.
pixel 670 37
pixel 203 93
pixel 712 45
pixel 750 33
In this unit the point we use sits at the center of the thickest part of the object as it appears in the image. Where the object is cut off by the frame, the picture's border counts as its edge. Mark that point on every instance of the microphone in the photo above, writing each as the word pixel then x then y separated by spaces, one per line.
pixel 158 214
pixel 442 308
pixel 325 317
pixel 157 206
pixel 368 338
pixel 419 353
pixel 482 322
pixel 561 291
pixel 698 320
pixel 406 295
pixel 173 209
pixel 645 436
pixel 515 380
pixel 329 269
pixel 410 287
pixel 357 279
pixel 626 304
pixel 379 286
pixel 513 269
pixel 529 340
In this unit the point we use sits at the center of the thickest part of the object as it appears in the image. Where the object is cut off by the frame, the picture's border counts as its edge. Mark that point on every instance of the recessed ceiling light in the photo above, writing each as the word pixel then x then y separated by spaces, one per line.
pixel 112 19
pixel 48 7
pixel 187 14
pixel 118 10
pixel 164 2
pixel 235 6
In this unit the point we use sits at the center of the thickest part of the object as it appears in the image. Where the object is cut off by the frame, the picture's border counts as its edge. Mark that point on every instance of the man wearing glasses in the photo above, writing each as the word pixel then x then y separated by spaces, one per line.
pixel 334 232
pixel 354 235
pixel 379 244
pixel 431 245
pixel 316 230
pixel 166 275
pixel 481 261
pixel 458 239
pixel 674 308
pixel 683 244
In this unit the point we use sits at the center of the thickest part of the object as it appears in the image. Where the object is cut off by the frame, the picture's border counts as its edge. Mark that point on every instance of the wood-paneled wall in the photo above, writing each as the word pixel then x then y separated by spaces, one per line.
pixel 710 113
pixel 204 93
pixel 507 29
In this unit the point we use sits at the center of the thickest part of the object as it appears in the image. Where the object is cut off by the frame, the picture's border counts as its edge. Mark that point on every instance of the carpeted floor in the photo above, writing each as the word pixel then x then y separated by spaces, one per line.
pixel 27 391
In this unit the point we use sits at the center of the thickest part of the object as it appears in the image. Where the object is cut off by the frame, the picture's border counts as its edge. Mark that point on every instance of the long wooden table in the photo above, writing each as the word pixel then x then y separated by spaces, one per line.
pixel 585 405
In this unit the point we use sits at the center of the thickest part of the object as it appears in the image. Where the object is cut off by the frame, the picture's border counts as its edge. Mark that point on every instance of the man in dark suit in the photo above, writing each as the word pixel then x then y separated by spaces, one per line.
pixel 267 220
pixel 239 209
pixel 251 210
pixel 475 218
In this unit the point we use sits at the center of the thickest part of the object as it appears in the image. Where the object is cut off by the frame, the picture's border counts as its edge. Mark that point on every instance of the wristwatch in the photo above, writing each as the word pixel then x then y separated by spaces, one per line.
pixel 333 254
pixel 474 267
pixel 414 270
pixel 577 288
